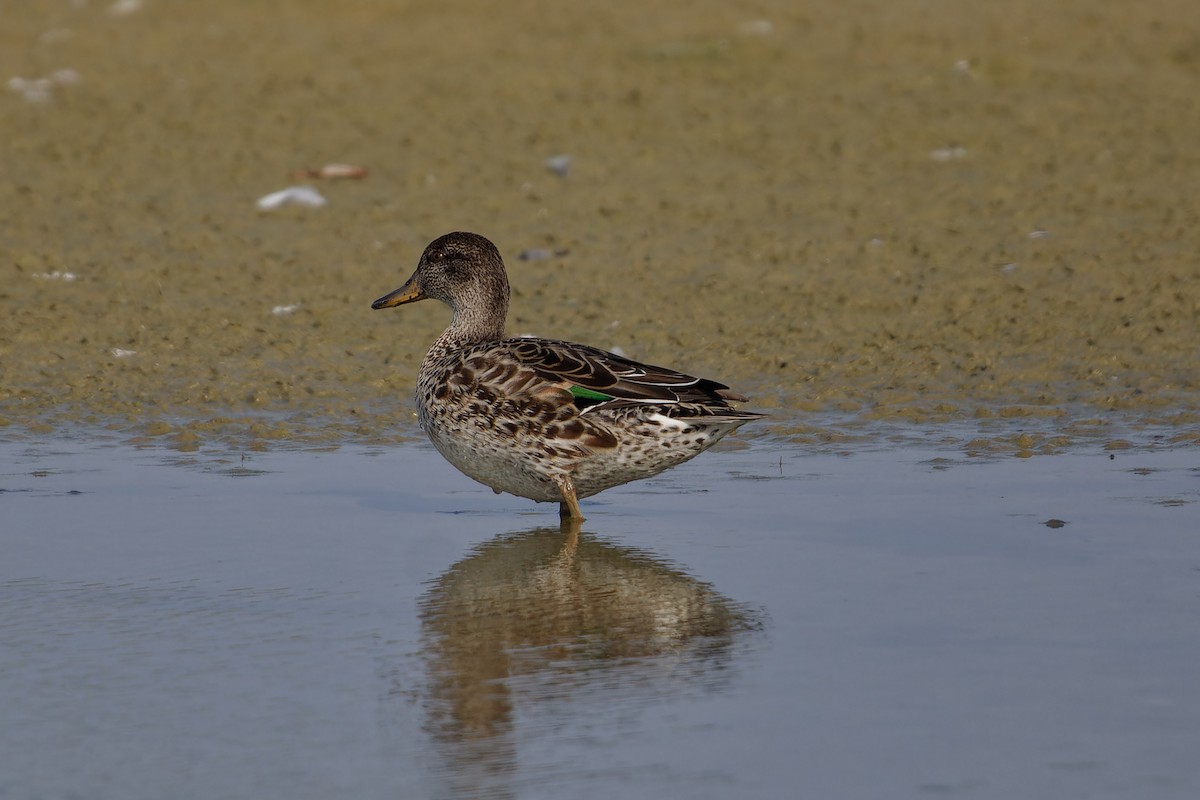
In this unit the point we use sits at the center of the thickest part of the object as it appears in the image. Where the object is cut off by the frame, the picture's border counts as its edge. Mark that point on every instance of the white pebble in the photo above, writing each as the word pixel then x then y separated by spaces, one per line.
pixel 293 195
pixel 559 165
pixel 56 35
pixel 65 77
pixel 281 310
pixel 756 27
pixel 944 154
pixel 122 8
pixel 37 90
pixel 55 276
pixel 119 353
pixel 34 90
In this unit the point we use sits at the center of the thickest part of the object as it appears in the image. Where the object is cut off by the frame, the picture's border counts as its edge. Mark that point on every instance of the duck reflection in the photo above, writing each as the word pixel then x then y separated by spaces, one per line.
pixel 532 618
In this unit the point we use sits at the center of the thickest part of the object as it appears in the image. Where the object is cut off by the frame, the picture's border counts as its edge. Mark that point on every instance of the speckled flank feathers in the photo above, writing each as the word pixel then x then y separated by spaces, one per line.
pixel 548 420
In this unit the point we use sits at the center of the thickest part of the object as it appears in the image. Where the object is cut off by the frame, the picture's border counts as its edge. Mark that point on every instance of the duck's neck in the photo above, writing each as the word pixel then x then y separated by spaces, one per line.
pixel 476 319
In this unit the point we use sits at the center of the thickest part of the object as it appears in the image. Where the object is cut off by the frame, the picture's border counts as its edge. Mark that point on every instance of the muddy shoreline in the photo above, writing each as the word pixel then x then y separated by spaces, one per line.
pixel 915 211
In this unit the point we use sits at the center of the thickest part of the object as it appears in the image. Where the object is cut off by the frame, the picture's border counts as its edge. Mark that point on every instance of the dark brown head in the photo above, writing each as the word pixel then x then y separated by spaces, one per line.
pixel 464 271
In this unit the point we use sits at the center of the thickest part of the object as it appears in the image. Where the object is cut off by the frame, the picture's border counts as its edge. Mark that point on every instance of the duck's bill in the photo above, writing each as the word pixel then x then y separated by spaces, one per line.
pixel 410 292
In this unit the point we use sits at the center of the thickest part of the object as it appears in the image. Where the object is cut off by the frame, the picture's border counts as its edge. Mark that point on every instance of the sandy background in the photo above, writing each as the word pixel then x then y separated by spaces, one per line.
pixel 928 210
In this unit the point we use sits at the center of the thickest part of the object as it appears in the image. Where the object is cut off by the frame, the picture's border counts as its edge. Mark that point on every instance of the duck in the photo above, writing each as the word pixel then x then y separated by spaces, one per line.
pixel 543 419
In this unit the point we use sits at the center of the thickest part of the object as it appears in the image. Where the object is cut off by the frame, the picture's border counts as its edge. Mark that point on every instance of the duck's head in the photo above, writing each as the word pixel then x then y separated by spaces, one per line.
pixel 463 270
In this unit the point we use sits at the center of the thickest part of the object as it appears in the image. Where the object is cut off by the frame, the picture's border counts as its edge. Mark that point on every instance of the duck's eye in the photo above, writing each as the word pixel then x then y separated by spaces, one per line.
pixel 451 259
pixel 448 255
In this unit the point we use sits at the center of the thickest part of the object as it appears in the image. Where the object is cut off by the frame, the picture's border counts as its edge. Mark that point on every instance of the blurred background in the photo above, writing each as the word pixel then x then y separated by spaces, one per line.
pixel 922 210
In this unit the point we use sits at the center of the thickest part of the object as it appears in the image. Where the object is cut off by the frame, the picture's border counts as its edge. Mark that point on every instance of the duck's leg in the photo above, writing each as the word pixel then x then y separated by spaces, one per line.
pixel 569 527
pixel 569 507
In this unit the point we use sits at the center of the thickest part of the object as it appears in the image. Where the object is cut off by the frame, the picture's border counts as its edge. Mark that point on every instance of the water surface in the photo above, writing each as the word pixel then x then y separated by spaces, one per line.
pixel 763 622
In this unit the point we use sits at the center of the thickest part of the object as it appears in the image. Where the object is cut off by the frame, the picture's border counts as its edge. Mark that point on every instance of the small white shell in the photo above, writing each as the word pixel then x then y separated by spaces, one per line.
pixel 293 195
pixel 756 27
pixel 37 90
pixel 944 154
pixel 333 171
pixel 123 8
pixel 34 90
pixel 65 77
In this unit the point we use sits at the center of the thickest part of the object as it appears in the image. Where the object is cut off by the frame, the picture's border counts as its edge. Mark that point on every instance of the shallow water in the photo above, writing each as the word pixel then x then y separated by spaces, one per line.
pixel 915 209
pixel 763 622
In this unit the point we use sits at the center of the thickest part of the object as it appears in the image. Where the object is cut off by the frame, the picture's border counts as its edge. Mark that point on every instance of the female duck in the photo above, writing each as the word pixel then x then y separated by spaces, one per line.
pixel 548 420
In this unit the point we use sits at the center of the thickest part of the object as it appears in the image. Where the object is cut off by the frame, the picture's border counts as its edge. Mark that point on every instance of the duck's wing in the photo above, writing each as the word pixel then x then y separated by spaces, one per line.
pixel 598 379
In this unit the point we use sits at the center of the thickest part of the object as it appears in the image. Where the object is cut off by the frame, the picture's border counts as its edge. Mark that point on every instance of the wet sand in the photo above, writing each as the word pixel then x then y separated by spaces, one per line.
pixel 914 211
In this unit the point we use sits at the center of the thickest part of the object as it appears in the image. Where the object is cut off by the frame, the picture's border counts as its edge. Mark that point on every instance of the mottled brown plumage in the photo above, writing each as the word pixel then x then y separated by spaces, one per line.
pixel 539 418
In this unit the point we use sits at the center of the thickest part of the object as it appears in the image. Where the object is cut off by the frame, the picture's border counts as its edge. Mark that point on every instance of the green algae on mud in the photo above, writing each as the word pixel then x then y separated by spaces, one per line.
pixel 911 217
